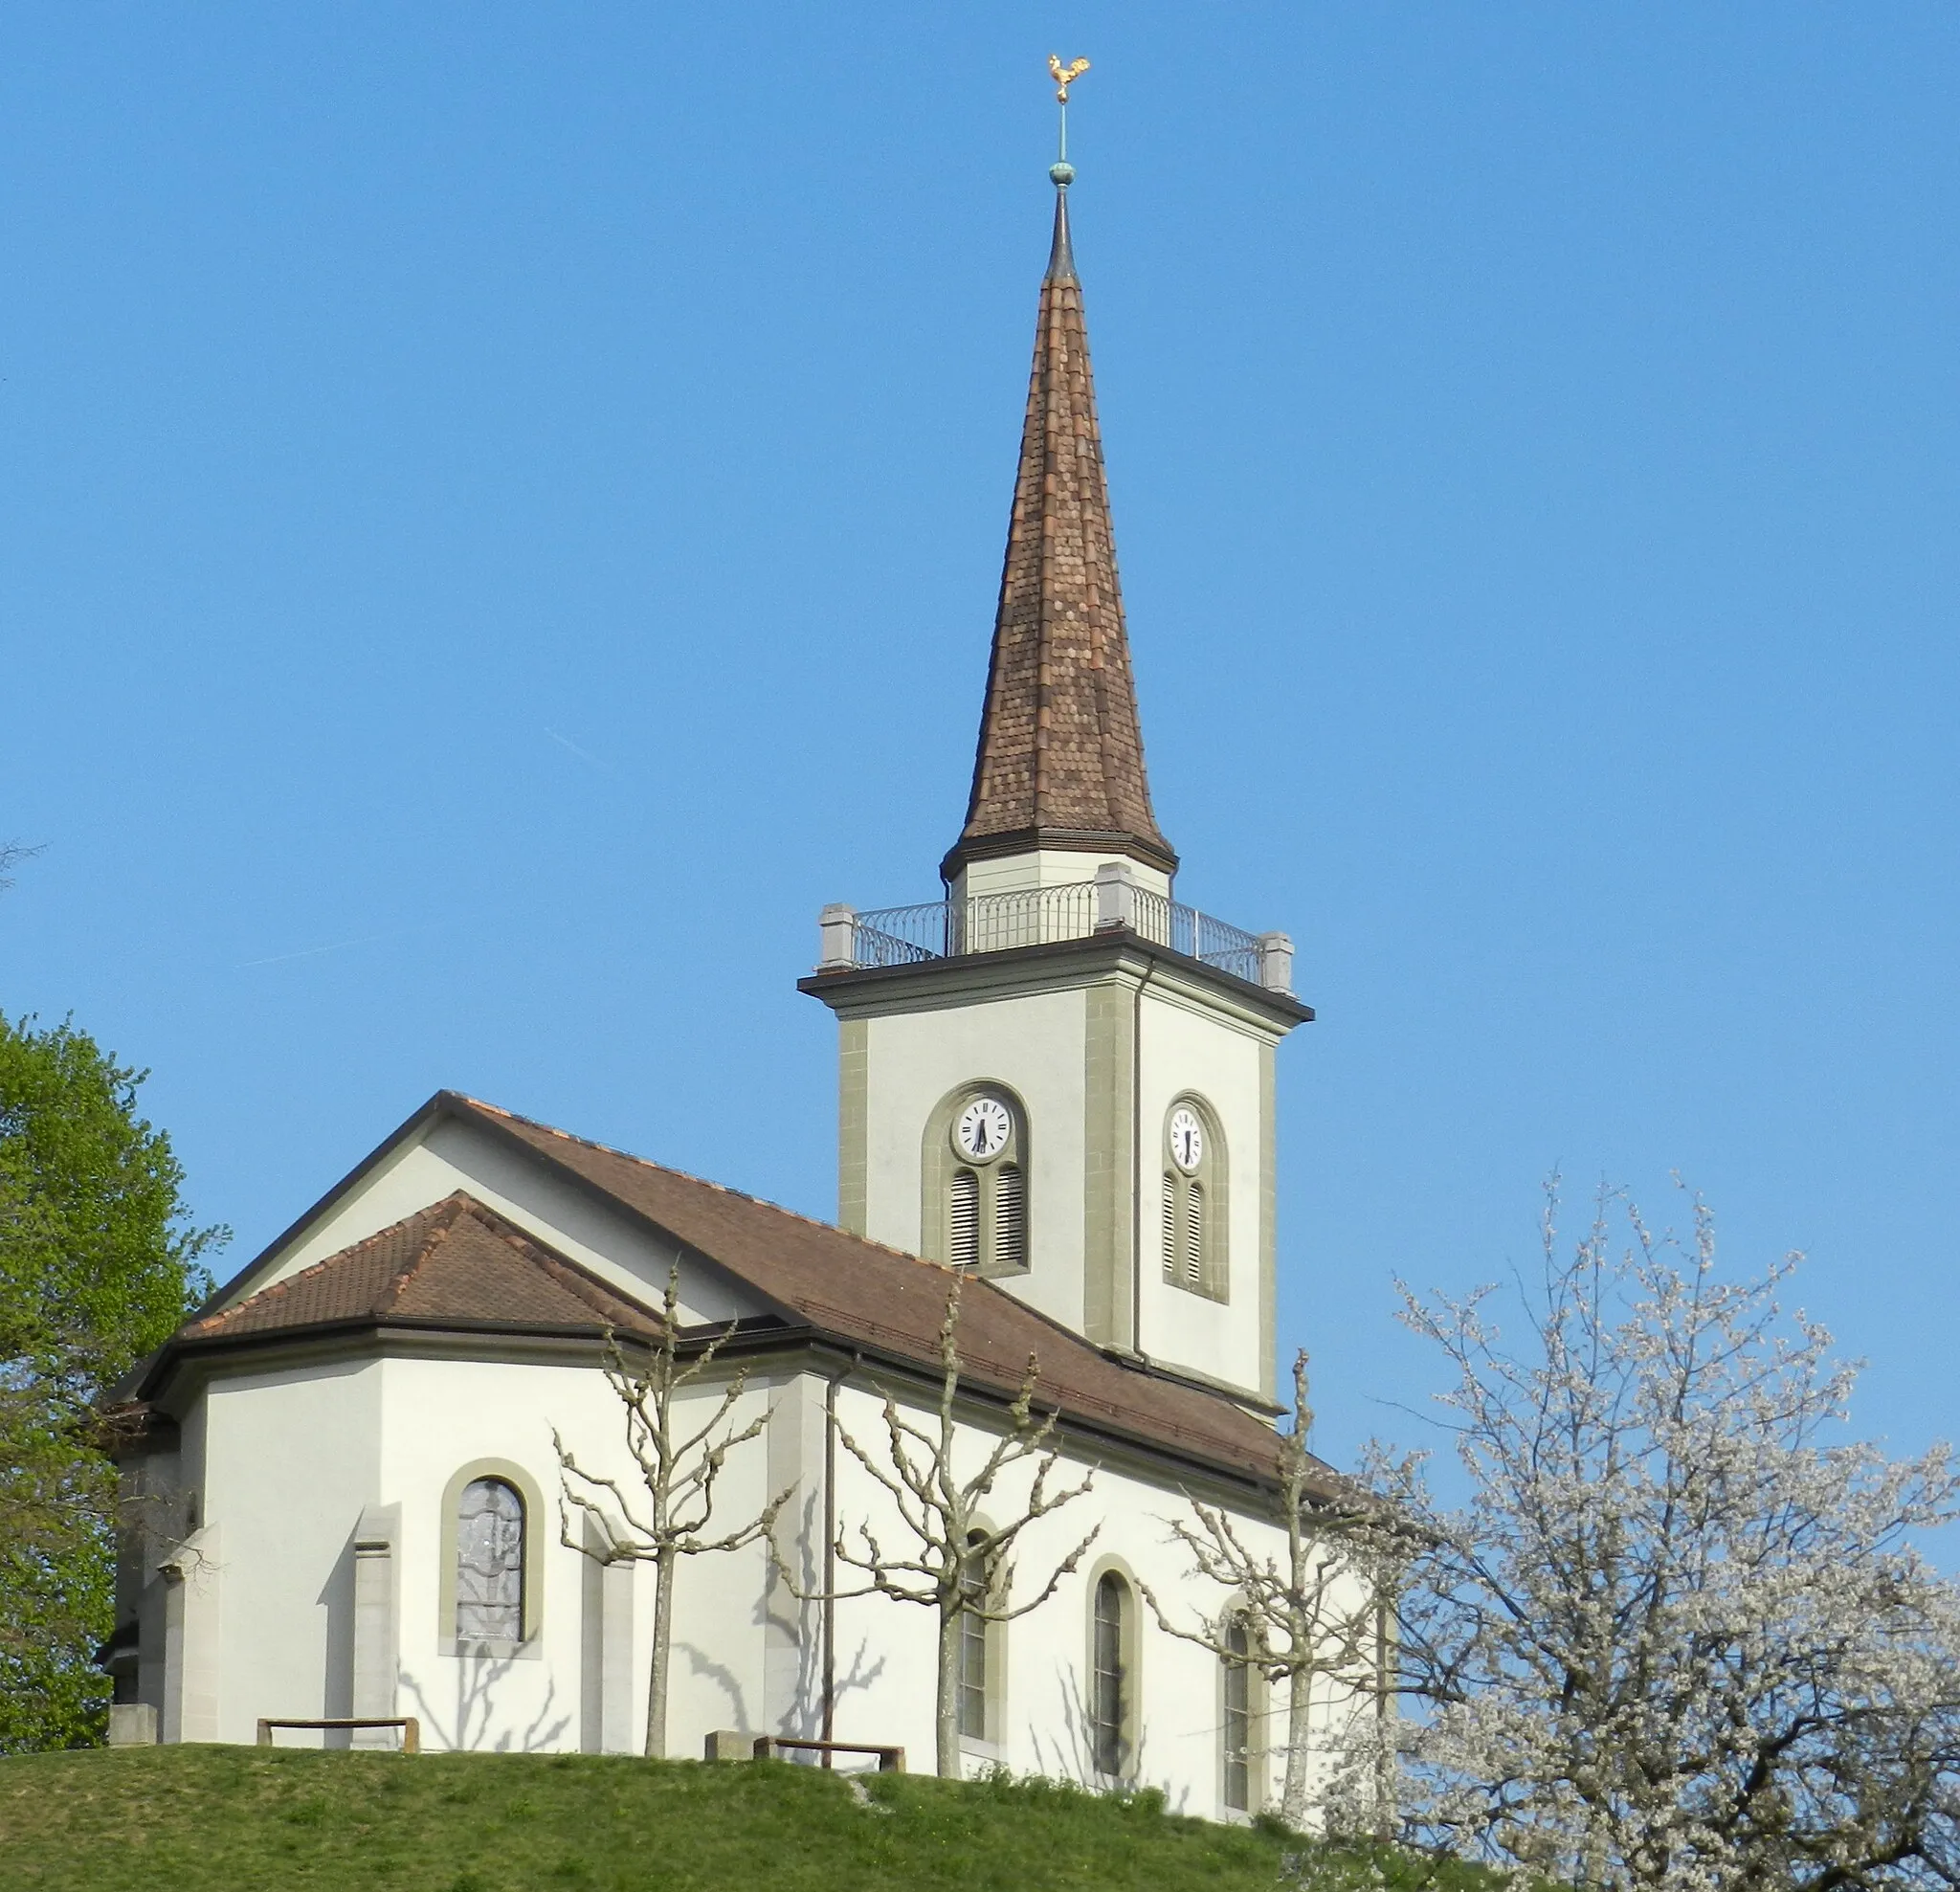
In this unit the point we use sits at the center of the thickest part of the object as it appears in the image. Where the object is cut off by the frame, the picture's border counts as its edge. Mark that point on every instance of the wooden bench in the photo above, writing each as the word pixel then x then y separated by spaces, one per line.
pixel 410 1728
pixel 771 1746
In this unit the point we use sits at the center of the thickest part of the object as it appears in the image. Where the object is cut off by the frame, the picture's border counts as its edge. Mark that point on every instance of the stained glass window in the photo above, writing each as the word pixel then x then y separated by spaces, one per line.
pixel 490 1564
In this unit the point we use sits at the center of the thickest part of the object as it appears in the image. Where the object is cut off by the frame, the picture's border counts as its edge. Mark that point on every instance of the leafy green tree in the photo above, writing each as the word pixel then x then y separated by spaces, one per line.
pixel 98 1264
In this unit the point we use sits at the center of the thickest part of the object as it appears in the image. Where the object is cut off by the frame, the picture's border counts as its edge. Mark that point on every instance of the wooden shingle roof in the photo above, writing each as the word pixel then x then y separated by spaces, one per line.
pixel 1061 756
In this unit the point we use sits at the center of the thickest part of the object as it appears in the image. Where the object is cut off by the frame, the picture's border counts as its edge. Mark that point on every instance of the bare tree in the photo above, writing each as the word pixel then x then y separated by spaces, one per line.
pixel 1315 1613
pixel 954 1560
pixel 1680 1637
pixel 12 854
pixel 677 1473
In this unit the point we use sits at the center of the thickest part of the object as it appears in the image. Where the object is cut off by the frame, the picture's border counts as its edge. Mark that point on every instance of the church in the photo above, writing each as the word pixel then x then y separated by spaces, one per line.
pixel 1056 1085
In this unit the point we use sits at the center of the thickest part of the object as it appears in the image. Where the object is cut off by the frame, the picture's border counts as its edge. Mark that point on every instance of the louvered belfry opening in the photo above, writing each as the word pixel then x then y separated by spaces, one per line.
pixel 1059 762
pixel 1010 1218
pixel 964 1220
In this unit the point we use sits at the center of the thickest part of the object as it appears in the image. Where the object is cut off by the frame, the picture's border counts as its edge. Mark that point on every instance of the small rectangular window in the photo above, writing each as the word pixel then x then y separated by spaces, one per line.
pixel 1170 1242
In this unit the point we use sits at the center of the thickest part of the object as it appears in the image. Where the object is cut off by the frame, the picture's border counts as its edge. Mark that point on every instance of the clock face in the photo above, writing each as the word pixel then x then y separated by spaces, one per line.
pixel 983 1129
pixel 1187 1139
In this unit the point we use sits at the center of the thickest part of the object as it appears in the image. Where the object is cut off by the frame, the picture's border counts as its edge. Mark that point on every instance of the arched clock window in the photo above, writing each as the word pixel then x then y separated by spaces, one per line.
pixel 1194 1257
pixel 976 1181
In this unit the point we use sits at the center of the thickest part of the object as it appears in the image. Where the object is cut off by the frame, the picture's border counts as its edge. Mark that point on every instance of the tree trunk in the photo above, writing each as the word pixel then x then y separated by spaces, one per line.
pixel 1299 1713
pixel 947 1730
pixel 663 1628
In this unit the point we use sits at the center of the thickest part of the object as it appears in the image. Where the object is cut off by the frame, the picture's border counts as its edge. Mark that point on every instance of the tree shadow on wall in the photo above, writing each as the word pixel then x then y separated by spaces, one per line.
pixel 1071 1754
pixel 468 1729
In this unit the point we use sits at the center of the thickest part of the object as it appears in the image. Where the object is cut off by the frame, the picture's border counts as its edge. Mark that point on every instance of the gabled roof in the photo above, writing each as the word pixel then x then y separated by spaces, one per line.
pixel 455 1264
pixel 821 1281
pixel 889 1302
pixel 1061 756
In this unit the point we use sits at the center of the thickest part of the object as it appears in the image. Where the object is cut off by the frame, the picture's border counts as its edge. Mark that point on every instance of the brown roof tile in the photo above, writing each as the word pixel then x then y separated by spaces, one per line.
pixel 860 1291
pixel 1061 756
pixel 453 1261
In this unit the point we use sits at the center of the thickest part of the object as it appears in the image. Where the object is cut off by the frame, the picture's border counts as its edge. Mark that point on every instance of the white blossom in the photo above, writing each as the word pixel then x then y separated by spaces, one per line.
pixel 1682 1634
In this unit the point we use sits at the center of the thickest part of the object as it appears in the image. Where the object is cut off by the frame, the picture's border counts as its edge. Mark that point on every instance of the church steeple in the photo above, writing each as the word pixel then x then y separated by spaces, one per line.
pixel 1060 1077
pixel 1061 757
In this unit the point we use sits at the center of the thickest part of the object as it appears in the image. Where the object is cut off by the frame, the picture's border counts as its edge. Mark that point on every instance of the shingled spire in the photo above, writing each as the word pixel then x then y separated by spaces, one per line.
pixel 1060 759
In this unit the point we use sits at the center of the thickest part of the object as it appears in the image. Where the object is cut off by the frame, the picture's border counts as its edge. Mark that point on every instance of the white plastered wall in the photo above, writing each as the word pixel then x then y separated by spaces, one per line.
pixel 1031 1044
pixel 453 1154
pixel 289 1459
pixel 290 1453
pixel 296 1457
pixel 1048 867
pixel 887 1648
pixel 1188 1048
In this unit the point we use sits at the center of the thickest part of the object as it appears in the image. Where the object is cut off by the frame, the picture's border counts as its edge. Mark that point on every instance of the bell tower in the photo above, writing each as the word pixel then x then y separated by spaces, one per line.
pixel 1057 1074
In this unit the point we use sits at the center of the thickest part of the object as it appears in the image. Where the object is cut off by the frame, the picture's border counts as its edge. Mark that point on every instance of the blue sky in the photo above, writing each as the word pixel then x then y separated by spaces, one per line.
pixel 500 506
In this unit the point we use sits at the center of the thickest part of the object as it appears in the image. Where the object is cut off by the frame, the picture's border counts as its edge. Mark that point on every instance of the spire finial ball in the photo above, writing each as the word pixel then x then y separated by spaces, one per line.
pixel 1061 174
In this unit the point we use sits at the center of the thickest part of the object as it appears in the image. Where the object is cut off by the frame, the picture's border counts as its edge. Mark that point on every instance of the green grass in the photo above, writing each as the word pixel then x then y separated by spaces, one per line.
pixel 213 1819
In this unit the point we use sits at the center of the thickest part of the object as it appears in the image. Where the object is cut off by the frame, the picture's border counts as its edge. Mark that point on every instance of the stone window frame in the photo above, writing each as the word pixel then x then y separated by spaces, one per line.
pixel 988 1745
pixel 940 1164
pixel 1256 1708
pixel 1129 1727
pixel 1213 1182
pixel 528 1647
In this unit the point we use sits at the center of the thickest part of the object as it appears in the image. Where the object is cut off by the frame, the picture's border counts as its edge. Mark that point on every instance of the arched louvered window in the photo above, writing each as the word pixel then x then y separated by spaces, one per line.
pixel 490 1562
pixel 1194 1220
pixel 963 1245
pixel 1237 1726
pixel 1010 1218
pixel 976 1183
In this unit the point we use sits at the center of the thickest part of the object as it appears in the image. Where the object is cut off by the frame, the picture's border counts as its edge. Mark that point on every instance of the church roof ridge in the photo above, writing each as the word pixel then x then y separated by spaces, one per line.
pixel 828 1278
pixel 838 1284
pixel 703 1182
pixel 1059 760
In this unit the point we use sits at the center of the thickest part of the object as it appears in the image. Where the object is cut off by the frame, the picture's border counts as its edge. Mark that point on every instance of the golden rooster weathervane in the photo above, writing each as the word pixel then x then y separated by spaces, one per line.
pixel 1063 76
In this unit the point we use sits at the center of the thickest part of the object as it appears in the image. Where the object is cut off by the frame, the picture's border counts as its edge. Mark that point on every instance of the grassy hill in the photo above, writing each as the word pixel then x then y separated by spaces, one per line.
pixel 211 1820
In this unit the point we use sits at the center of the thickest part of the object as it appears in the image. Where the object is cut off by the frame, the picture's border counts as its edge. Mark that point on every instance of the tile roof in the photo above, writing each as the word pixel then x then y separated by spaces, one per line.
pixel 458 1264
pixel 861 1292
pixel 1061 756
pixel 454 1263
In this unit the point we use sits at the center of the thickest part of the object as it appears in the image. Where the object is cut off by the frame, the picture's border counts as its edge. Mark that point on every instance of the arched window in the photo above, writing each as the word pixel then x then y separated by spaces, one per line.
pixel 1195 1222
pixel 973 1676
pixel 1237 1724
pixel 490 1562
pixel 1109 1676
pixel 976 1181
